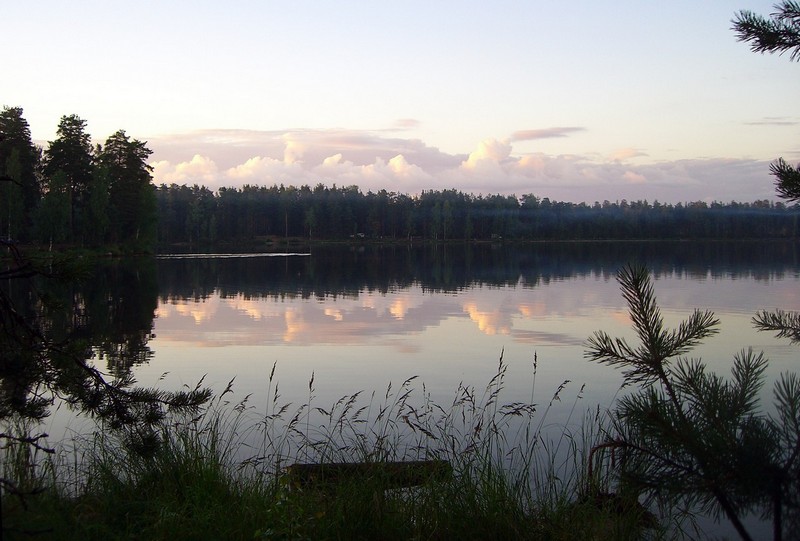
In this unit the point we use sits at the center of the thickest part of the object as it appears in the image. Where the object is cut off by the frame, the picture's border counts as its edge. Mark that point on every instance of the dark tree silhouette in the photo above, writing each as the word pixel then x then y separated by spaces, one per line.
pixel 692 436
pixel 780 33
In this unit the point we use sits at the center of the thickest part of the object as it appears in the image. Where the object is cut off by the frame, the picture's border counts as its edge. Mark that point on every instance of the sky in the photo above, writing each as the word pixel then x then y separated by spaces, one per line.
pixel 575 101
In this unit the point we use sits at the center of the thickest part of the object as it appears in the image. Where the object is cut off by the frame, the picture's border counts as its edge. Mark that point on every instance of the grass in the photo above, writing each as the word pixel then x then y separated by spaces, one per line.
pixel 219 475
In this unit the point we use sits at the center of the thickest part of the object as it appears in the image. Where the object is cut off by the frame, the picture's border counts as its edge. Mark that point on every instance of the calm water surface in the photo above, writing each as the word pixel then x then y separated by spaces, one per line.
pixel 360 318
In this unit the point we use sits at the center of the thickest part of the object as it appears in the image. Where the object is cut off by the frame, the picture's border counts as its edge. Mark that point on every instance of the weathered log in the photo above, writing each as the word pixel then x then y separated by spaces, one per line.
pixel 386 474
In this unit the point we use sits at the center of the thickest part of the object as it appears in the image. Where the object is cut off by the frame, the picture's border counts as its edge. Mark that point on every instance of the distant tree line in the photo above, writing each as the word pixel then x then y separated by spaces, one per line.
pixel 73 192
pixel 78 194
pixel 197 215
pixel 331 271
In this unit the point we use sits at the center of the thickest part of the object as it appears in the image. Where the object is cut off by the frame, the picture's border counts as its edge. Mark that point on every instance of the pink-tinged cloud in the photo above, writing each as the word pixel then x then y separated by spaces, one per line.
pixel 489 155
pixel 229 148
pixel 198 170
pixel 623 154
pixel 535 314
pixel 372 161
pixel 634 178
pixel 406 124
pixel 490 323
pixel 545 133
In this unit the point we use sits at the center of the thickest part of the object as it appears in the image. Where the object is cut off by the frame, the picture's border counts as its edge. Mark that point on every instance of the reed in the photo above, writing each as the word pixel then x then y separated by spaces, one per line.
pixel 221 474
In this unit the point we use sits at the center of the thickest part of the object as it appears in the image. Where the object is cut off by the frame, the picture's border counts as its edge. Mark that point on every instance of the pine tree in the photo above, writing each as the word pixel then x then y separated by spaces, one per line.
pixel 53 215
pixel 20 162
pixel 72 154
pixel 12 219
pixel 690 435
pixel 131 192
pixel 778 34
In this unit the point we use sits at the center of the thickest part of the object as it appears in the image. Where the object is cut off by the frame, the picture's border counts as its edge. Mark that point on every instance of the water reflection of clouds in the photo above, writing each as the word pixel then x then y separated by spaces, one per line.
pixel 398 315
pixel 365 339
pixel 535 309
pixel 491 323
pixel 199 312
pixel 546 338
pixel 298 321
pixel 556 313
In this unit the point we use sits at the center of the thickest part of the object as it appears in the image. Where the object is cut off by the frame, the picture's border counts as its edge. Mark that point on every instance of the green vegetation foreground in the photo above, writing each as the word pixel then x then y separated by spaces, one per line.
pixel 221 475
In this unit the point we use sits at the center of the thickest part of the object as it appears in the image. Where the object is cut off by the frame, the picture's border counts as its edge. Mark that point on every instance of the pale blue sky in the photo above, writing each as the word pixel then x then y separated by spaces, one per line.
pixel 575 101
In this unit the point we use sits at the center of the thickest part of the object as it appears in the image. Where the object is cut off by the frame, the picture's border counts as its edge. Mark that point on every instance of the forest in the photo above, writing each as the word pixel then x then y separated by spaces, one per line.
pixel 74 193
pixel 197 216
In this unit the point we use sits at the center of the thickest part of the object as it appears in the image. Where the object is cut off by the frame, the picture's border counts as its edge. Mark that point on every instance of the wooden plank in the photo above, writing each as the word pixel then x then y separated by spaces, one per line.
pixel 388 474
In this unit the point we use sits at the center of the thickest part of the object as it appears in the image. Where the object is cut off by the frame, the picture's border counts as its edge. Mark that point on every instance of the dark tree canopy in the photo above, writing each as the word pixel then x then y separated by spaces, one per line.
pixel 19 163
pixel 103 195
pixel 131 195
pixel 778 34
pixel 692 435
pixel 246 216
pixel 75 193
pixel 71 153
pixel 787 180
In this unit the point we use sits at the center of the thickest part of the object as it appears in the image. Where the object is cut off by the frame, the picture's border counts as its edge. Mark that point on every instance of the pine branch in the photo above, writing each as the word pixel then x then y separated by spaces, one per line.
pixel 699 326
pixel 787 179
pixel 697 436
pixel 616 352
pixel 779 34
pixel 785 324
pixel 748 376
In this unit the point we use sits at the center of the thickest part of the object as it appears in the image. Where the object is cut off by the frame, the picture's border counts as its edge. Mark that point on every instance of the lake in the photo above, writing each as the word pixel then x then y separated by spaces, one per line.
pixel 361 318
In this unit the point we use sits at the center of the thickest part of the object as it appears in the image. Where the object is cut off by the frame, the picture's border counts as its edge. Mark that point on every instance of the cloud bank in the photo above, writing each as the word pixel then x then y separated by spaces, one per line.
pixel 375 160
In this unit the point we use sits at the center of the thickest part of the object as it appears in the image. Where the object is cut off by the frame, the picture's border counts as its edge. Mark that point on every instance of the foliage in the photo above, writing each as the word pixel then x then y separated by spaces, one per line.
pixel 197 216
pixel 690 434
pixel 112 202
pixel 787 179
pixel 40 365
pixel 19 162
pixel 123 161
pixel 11 208
pixel 785 324
pixel 52 223
pixel 219 475
pixel 107 191
pixel 70 158
pixel 780 33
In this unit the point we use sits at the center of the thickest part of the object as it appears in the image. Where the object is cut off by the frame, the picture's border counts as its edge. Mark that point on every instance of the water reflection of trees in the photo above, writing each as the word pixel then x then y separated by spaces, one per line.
pixel 345 272
pixel 55 317
pixel 110 310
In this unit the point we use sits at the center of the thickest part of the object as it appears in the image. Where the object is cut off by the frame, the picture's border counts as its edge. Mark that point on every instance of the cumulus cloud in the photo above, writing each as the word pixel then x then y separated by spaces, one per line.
pixel 269 170
pixel 395 174
pixel 490 153
pixel 622 154
pixel 634 178
pixel 373 162
pixel 294 150
pixel 198 170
